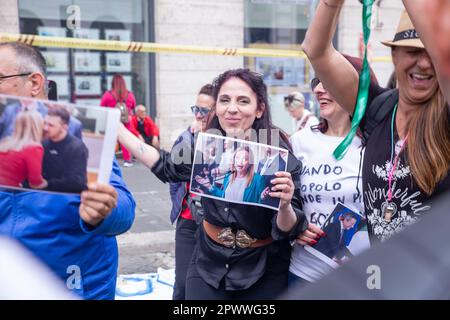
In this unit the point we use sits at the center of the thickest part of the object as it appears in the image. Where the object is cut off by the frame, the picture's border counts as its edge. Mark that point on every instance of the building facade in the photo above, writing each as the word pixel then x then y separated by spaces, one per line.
pixel 167 83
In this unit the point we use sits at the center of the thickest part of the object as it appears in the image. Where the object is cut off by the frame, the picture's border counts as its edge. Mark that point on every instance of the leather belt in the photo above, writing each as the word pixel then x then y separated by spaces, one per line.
pixel 229 239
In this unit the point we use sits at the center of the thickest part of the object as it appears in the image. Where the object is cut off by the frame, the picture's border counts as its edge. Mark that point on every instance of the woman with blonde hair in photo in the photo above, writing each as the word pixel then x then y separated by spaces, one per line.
pixel 21 154
pixel 243 183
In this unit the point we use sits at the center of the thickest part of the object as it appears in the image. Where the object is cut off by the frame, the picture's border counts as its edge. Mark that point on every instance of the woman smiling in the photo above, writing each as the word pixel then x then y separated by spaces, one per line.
pixel 242 251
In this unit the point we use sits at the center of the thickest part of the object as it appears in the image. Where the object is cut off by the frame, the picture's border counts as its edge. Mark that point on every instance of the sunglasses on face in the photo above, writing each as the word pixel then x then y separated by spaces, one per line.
pixel 314 83
pixel 289 99
pixel 203 111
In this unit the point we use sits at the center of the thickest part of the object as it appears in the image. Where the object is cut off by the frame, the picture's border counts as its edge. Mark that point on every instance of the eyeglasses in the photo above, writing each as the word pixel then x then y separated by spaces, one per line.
pixel 314 83
pixel 289 99
pixel 14 75
pixel 203 111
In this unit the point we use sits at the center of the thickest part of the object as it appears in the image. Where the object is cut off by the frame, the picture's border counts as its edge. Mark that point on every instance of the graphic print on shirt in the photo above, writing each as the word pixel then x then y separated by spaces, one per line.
pixel 403 200
pixel 329 186
pixel 326 183
pixel 325 195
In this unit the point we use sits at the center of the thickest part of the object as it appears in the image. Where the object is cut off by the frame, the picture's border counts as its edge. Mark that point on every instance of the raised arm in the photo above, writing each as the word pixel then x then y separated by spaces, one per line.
pixel 146 154
pixel 168 167
pixel 334 71
pixel 431 19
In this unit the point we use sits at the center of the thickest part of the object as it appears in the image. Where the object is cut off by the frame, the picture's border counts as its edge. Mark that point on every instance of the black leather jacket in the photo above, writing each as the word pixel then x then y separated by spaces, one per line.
pixel 240 267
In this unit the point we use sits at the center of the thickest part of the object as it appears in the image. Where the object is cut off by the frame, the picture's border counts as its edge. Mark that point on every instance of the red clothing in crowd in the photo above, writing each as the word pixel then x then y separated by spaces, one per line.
pixel 150 128
pixel 185 211
pixel 109 101
pixel 18 166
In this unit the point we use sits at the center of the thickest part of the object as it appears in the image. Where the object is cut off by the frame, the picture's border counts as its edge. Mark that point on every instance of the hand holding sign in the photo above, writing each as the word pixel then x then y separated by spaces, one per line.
pixel 283 188
pixel 310 235
pixel 97 203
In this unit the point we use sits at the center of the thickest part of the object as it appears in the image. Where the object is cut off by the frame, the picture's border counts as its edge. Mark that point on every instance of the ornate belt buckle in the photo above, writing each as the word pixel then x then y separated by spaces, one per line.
pixel 243 240
pixel 226 236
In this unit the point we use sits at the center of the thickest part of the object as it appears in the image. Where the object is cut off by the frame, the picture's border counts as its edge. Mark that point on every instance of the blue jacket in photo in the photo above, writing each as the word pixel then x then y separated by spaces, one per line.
pixel 251 194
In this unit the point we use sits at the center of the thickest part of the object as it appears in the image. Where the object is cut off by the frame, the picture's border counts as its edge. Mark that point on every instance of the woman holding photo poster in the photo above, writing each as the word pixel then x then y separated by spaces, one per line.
pixel 242 251
pixel 325 181
pixel 21 154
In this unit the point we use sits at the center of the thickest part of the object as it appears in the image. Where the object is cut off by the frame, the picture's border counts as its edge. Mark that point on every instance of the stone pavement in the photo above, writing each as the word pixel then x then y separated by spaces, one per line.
pixel 150 243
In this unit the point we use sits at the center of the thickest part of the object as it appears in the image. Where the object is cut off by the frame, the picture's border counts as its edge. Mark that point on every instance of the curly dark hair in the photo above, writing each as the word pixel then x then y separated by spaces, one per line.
pixel 256 83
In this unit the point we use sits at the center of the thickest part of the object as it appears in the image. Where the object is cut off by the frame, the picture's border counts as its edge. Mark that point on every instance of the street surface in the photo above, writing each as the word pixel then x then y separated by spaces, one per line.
pixel 150 243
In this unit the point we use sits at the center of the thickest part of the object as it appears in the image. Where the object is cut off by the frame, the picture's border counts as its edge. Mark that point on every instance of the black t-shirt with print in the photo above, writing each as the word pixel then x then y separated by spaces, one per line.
pixel 408 200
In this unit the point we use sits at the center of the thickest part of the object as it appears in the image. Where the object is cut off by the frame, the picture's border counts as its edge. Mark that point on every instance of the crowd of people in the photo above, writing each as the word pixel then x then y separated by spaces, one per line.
pixel 133 117
pixel 225 247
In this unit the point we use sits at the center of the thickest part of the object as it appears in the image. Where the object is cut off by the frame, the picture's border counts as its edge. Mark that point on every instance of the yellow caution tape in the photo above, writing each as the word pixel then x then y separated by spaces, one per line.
pixel 132 46
pixel 76 43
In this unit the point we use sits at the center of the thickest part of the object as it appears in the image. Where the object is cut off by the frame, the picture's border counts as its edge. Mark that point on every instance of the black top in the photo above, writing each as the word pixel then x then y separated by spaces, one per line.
pixel 65 165
pixel 141 127
pixel 239 268
pixel 408 200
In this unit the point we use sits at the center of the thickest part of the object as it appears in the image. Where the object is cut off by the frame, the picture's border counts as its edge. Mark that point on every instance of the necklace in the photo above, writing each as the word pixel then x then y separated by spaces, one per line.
pixel 389 208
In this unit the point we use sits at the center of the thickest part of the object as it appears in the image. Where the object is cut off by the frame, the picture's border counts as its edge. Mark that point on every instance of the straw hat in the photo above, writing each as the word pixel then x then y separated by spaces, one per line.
pixel 406 35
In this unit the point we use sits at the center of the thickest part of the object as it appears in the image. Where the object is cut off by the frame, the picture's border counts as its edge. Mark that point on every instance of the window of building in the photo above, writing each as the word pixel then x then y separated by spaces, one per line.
pixel 280 24
pixel 82 76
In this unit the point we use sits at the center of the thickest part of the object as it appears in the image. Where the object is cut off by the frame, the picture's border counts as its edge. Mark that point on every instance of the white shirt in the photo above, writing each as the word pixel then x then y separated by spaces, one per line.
pixel 267 165
pixel 235 190
pixel 310 122
pixel 225 165
pixel 324 182
pixel 226 161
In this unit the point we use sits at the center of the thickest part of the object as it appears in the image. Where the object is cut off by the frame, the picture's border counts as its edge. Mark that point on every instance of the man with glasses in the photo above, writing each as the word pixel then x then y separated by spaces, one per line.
pixel 19 81
pixel 74 235
pixel 3 78
pixel 185 207
pixel 295 105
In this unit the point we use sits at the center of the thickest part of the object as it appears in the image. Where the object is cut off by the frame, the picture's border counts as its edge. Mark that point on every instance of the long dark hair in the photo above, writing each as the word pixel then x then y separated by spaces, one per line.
pixel 256 83
pixel 119 88
pixel 428 148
